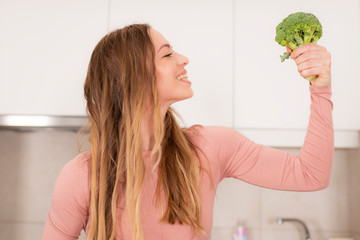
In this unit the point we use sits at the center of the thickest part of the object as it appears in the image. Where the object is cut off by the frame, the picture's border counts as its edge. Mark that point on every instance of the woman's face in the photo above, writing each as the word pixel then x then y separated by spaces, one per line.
pixel 172 82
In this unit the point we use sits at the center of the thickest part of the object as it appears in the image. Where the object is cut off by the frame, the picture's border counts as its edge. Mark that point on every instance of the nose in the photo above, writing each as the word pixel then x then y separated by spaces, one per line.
pixel 183 60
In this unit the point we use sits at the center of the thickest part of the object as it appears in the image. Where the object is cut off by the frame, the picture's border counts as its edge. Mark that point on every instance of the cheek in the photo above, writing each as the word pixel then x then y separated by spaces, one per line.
pixel 161 84
pixel 168 90
pixel 164 73
pixel 164 79
pixel 163 87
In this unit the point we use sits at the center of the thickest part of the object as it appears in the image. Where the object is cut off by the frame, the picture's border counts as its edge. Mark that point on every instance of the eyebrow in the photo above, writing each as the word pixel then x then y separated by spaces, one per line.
pixel 165 45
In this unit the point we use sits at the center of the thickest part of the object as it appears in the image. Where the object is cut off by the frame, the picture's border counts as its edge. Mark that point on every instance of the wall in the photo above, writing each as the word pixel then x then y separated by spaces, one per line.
pixel 30 162
pixel 354 182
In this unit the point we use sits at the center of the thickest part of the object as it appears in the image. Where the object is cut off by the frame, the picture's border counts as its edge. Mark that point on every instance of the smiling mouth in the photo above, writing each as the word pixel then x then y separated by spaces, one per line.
pixel 180 77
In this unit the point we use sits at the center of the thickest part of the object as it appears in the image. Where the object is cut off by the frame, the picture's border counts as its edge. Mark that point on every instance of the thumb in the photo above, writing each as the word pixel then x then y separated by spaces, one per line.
pixel 288 50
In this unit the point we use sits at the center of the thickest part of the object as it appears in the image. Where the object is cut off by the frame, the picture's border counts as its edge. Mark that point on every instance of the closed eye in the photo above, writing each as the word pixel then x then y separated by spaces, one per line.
pixel 168 55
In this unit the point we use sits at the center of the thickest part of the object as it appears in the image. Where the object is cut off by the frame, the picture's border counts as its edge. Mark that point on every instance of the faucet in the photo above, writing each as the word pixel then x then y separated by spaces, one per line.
pixel 307 234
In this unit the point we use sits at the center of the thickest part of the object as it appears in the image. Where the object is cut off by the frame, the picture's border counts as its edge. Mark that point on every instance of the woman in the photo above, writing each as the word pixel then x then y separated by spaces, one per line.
pixel 145 177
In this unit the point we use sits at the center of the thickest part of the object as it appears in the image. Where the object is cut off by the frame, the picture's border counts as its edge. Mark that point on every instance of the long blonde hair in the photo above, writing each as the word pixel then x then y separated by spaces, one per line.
pixel 119 79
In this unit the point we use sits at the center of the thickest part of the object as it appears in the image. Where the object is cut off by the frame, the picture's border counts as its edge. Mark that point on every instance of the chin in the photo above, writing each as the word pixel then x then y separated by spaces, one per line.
pixel 183 98
pixel 189 96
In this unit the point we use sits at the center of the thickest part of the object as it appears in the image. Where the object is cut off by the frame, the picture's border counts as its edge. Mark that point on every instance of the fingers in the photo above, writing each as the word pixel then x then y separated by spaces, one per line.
pixel 312 59
pixel 322 71
pixel 309 61
pixel 288 50
pixel 305 48
pixel 309 55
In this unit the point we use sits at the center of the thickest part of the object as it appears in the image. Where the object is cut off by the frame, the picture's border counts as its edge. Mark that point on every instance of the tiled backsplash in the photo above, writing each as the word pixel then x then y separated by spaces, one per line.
pixel 31 161
pixel 354 186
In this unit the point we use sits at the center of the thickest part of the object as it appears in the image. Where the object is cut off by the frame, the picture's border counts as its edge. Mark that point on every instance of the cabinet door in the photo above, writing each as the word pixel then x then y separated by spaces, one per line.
pixel 271 94
pixel 202 31
pixel 45 50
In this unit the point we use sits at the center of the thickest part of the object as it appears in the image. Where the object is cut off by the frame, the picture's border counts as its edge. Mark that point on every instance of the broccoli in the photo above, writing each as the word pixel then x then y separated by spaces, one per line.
pixel 296 30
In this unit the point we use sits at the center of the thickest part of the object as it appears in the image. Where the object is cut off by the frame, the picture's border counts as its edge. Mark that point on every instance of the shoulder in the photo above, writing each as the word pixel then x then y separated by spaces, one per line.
pixel 78 165
pixel 73 179
pixel 220 141
pixel 211 133
pixel 218 144
pixel 215 139
pixel 70 200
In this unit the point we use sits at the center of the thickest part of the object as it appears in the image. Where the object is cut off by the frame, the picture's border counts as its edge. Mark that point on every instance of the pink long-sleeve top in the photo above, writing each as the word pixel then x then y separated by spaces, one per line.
pixel 228 154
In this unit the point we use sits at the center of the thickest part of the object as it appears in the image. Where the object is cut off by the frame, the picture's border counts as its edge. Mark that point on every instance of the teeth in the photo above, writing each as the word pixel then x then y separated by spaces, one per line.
pixel 182 76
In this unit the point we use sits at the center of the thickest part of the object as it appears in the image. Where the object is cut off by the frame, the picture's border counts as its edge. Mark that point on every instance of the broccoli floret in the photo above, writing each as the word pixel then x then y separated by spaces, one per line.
pixel 296 30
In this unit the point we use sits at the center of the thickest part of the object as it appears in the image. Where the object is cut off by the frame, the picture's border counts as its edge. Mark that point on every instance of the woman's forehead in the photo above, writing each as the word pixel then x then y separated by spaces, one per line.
pixel 158 39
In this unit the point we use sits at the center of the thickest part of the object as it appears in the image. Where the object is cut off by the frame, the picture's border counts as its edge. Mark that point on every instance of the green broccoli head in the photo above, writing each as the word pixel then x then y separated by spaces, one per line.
pixel 296 30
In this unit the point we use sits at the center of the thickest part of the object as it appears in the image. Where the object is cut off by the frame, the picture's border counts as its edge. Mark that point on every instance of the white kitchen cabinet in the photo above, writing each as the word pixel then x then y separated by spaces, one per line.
pixel 234 67
pixel 202 31
pixel 45 50
pixel 272 95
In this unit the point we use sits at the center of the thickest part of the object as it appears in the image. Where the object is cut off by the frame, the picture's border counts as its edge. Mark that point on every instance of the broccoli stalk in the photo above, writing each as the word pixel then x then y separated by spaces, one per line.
pixel 296 30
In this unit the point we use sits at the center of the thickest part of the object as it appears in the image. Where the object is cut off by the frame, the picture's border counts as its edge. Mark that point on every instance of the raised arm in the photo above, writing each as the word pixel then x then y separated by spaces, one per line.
pixel 268 167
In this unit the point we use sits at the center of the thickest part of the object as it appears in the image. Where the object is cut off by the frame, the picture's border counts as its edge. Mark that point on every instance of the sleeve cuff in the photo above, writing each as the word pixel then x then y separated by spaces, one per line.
pixel 320 90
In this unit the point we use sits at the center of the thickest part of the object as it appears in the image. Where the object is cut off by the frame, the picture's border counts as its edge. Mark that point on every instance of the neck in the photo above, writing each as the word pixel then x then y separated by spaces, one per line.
pixel 147 132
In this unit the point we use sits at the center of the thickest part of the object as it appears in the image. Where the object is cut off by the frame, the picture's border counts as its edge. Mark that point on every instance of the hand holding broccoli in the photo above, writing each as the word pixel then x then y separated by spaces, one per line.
pixel 299 32
pixel 313 60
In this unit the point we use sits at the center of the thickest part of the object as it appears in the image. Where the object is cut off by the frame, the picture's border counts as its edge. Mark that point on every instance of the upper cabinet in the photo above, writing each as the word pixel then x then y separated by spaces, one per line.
pixel 202 31
pixel 271 94
pixel 45 50
pixel 234 64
